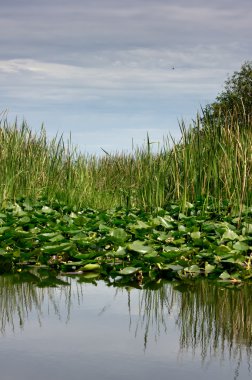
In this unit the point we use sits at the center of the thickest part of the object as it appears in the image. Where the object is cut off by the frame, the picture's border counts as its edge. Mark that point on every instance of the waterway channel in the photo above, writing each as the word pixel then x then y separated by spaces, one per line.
pixel 74 327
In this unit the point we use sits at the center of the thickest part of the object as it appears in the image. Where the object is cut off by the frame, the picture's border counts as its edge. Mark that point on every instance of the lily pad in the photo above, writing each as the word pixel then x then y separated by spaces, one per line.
pixel 129 271
pixel 241 246
pixel 137 246
pixel 91 268
pixel 230 235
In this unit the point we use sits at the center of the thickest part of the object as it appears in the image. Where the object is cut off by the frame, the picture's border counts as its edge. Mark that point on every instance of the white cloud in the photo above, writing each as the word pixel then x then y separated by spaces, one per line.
pixel 106 65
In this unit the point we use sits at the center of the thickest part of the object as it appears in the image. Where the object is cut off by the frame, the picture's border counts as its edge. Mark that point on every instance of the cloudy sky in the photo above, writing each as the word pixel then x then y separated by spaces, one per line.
pixel 109 71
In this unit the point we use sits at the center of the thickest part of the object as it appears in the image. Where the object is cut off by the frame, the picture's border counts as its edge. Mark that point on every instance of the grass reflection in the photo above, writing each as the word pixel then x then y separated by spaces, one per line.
pixel 212 319
pixel 24 293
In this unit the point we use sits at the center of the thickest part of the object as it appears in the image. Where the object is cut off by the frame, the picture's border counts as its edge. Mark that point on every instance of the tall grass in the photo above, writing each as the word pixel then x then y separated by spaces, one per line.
pixel 212 160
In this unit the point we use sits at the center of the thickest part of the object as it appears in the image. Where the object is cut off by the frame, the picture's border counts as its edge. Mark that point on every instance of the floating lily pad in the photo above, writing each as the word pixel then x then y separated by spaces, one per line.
pixel 90 268
pixel 137 246
pixel 129 271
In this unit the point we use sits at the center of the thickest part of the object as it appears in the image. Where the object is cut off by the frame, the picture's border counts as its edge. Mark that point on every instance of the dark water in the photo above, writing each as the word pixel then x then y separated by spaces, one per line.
pixel 81 330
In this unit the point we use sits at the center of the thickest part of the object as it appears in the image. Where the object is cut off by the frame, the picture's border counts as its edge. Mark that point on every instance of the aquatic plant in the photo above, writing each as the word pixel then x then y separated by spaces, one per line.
pixel 127 245
pixel 211 162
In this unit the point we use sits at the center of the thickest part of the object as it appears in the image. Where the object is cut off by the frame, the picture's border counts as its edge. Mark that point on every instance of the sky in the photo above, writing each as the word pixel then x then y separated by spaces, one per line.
pixel 110 71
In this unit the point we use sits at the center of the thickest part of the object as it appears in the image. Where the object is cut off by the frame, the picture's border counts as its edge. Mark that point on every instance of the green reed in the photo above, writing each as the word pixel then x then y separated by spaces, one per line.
pixel 211 162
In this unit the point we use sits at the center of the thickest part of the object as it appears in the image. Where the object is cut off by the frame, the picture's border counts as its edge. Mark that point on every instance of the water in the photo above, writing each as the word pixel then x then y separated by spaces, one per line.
pixel 81 330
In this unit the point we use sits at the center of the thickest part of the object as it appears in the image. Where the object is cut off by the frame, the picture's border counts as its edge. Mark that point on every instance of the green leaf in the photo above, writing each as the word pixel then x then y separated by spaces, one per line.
pixel 150 255
pixel 47 210
pixel 4 229
pixel 57 238
pixel 225 276
pixel 119 235
pixel 195 235
pixel 209 268
pixel 165 223
pixel 173 267
pixel 56 248
pixel 230 235
pixel 222 250
pixel 79 236
pixel 86 256
pixel 129 271
pixel 91 268
pixel 170 248
pixel 48 235
pixel 193 269
pixel 121 252
pixel 182 228
pixel 138 247
pixel 24 220
pixel 241 246
pixel 140 225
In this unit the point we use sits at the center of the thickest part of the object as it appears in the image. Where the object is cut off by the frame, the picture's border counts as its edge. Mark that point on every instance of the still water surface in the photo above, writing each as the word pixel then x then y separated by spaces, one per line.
pixel 81 330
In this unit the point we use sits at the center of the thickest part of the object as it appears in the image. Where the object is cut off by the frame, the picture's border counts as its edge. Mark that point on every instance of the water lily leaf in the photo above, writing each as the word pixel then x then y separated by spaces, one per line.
pixel 47 210
pixel 170 248
pixel 138 247
pixel 229 260
pixel 128 271
pixel 208 227
pixel 21 233
pixel 121 251
pixel 24 220
pixel 182 216
pixel 193 269
pixel 104 228
pixel 209 268
pixel 17 210
pixel 150 255
pixel 4 229
pixel 179 241
pixel 230 235
pixel 57 238
pixel 56 248
pixel 182 228
pixel 240 246
pixel 173 267
pixel 86 256
pixel 165 223
pixel 91 267
pixel 140 225
pixel 225 276
pixel 195 235
pixel 48 235
pixel 119 235
pixel 79 236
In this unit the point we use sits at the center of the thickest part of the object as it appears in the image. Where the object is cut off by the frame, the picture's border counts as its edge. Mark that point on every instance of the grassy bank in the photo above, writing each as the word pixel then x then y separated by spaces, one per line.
pixel 184 211
pixel 211 163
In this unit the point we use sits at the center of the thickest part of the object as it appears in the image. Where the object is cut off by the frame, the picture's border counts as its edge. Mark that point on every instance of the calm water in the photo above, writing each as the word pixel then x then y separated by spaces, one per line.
pixel 81 330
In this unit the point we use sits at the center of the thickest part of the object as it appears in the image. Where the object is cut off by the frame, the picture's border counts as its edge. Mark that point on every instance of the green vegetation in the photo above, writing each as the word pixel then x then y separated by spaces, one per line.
pixel 209 163
pixel 181 211
pixel 127 246
pixel 236 96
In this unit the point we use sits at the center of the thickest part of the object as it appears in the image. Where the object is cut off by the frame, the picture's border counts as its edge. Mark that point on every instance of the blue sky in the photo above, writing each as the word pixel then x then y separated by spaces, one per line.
pixel 103 69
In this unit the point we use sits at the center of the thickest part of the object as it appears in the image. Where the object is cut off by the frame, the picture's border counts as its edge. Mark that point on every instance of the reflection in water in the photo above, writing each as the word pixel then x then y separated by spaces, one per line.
pixel 211 319
pixel 26 292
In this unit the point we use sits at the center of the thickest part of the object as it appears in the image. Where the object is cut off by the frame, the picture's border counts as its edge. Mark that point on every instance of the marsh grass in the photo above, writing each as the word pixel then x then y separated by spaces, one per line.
pixel 212 162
